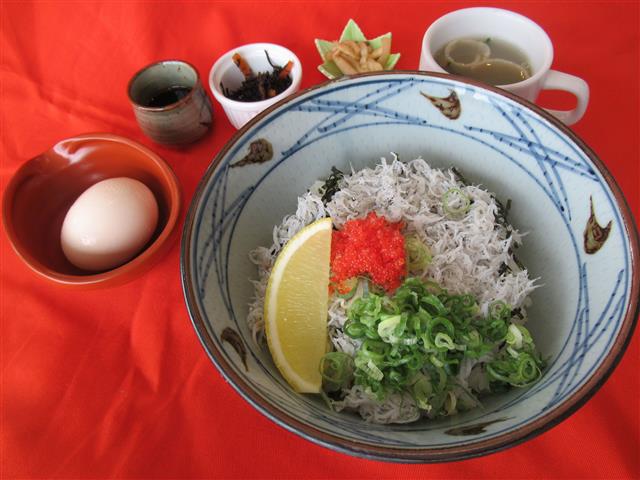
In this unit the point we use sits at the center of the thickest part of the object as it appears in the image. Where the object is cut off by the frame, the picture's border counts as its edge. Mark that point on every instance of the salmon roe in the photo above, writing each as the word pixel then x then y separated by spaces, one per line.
pixel 370 246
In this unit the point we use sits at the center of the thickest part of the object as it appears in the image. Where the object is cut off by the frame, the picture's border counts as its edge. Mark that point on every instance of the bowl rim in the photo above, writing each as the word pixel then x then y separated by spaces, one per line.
pixel 125 272
pixel 260 104
pixel 422 455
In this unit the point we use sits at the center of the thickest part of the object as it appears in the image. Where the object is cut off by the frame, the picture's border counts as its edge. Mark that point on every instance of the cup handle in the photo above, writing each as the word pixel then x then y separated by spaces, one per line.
pixel 555 80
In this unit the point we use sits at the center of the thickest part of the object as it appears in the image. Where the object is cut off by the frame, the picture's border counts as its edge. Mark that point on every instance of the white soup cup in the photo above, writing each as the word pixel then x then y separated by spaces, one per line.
pixel 528 36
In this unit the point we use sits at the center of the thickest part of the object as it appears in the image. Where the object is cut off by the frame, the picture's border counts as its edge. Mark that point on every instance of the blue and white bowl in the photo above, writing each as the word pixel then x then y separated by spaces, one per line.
pixel 582 317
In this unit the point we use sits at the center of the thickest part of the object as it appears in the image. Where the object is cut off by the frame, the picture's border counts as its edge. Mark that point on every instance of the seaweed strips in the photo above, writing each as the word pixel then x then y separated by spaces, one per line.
pixel 260 86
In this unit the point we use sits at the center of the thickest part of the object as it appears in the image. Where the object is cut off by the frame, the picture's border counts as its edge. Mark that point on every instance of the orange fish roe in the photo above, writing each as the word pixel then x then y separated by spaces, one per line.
pixel 370 246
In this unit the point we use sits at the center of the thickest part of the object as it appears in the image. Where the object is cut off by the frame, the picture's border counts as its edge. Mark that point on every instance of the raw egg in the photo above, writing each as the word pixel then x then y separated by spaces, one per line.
pixel 109 224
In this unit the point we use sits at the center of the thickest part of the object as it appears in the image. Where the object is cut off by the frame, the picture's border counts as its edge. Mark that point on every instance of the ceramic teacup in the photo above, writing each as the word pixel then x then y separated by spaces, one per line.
pixel 170 103
pixel 518 30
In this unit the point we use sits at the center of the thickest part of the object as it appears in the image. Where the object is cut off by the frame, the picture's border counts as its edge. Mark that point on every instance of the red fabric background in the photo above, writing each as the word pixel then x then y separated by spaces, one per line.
pixel 113 383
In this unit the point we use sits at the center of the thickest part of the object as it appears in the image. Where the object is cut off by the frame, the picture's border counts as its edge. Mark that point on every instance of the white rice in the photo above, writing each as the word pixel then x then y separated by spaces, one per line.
pixel 468 256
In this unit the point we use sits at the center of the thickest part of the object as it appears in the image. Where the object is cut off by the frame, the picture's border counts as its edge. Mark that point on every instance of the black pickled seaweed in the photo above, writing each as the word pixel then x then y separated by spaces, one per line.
pixel 516 260
pixel 331 185
pixel 503 211
pixel 504 268
pixel 260 86
pixel 501 219
pixel 459 177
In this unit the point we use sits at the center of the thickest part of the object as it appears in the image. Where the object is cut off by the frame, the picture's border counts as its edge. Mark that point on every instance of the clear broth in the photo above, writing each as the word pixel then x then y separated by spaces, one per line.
pixel 512 65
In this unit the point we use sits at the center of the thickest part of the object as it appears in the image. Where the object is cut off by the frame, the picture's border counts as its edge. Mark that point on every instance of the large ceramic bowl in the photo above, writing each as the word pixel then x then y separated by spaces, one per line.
pixel 582 317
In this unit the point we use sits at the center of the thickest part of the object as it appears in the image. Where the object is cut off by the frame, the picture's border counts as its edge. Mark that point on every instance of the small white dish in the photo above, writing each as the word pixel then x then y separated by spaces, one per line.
pixel 226 72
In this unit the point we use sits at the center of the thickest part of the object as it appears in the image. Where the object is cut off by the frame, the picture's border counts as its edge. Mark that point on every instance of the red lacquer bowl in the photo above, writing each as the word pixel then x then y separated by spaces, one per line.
pixel 41 191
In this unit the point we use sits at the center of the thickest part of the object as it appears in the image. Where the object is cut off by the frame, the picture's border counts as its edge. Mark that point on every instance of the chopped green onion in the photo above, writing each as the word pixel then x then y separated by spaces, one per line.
pixel 496 375
pixel 354 329
pixel 499 309
pixel 436 361
pixel 415 362
pixel 434 302
pixel 512 352
pixel 372 370
pixel 519 371
pixel 495 330
pixel 441 321
pixel 415 341
pixel 527 340
pixel 421 391
pixel 390 306
pixel 455 203
pixel 353 283
pixel 336 369
pixel 442 340
pixel 468 301
pixel 432 287
pixel 450 403
pixel 528 370
pixel 373 349
pixel 387 327
pixel 514 337
pixel 442 379
pixel 418 254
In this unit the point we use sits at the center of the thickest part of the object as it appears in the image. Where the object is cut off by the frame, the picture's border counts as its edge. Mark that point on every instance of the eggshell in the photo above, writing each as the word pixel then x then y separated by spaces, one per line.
pixel 109 224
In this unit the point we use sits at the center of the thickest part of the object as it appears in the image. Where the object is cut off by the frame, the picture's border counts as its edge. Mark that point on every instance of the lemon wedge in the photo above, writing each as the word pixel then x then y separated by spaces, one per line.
pixel 295 307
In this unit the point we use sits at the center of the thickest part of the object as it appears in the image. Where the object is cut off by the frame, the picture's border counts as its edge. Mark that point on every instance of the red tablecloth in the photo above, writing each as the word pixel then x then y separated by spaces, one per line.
pixel 113 383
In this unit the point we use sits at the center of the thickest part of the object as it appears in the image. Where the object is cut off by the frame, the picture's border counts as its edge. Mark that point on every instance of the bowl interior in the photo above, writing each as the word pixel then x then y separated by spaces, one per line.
pixel 581 314
pixel 44 188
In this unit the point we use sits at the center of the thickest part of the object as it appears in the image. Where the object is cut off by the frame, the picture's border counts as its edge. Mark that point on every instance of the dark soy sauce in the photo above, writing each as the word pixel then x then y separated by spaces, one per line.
pixel 168 96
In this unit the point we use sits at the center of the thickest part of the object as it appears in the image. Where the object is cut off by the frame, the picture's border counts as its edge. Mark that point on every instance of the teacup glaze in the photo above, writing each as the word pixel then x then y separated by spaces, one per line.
pixel 179 123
